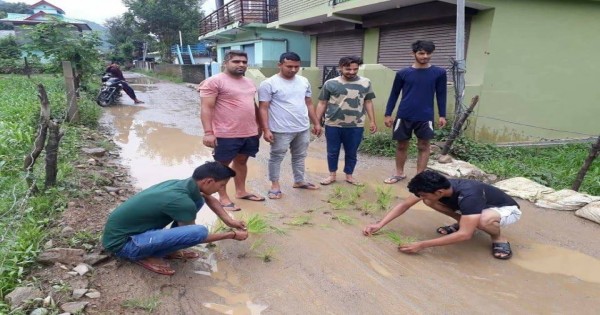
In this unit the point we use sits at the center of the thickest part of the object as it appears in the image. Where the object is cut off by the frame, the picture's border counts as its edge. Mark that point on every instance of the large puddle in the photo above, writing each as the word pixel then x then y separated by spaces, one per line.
pixel 557 260
pixel 153 151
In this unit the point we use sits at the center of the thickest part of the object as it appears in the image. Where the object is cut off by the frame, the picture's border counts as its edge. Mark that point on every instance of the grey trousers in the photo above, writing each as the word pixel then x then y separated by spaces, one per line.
pixel 298 144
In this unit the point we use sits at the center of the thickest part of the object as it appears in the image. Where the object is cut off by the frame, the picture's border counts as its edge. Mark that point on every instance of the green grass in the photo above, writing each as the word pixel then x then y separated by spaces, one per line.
pixel 257 225
pixel 553 166
pixel 381 144
pixel 149 304
pixel 396 237
pixel 84 239
pixel 267 254
pixel 300 220
pixel 24 218
pixel 368 207
pixel 343 197
pixel 345 219
pixel 384 197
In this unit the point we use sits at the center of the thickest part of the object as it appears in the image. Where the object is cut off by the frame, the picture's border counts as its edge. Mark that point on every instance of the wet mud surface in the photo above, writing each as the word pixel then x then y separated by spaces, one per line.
pixel 324 266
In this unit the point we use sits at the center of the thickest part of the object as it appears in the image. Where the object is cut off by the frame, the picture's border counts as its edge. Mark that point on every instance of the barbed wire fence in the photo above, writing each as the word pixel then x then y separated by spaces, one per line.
pixel 11 219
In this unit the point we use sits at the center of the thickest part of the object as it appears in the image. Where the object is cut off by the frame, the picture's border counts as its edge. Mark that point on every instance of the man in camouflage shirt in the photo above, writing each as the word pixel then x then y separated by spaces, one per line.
pixel 344 101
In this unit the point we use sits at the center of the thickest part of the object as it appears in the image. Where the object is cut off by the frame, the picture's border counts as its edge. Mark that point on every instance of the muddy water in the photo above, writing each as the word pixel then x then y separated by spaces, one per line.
pixel 556 260
pixel 326 267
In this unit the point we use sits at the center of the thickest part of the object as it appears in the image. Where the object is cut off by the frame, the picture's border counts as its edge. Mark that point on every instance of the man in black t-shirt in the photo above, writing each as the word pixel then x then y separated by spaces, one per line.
pixel 115 71
pixel 473 204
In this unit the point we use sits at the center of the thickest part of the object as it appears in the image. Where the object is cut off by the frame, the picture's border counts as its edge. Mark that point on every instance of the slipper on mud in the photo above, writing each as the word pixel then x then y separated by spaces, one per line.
pixel 163 270
pixel 231 207
pixel 183 254
pixel 394 179
pixel 448 229
pixel 274 194
pixel 355 183
pixel 252 197
pixel 309 186
pixel 327 181
pixel 501 248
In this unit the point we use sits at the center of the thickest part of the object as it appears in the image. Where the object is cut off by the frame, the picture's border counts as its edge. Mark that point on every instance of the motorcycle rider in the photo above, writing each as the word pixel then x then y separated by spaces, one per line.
pixel 115 72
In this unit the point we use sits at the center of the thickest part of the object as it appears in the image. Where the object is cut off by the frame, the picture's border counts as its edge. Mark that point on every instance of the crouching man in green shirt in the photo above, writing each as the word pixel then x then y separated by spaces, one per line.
pixel 136 229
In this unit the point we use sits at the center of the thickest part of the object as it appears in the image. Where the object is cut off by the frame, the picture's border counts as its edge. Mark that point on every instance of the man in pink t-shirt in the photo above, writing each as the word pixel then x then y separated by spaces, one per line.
pixel 229 118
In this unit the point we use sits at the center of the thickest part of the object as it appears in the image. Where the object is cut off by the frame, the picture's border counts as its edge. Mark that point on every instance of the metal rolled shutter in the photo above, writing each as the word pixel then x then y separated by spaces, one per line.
pixel 332 47
pixel 394 43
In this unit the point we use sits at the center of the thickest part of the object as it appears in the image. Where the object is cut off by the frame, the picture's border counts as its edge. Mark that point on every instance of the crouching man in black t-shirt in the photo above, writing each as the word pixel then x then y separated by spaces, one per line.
pixel 474 205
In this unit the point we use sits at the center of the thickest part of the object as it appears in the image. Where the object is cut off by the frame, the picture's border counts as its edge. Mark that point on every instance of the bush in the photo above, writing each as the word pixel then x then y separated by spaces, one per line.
pixel 17 66
pixel 555 166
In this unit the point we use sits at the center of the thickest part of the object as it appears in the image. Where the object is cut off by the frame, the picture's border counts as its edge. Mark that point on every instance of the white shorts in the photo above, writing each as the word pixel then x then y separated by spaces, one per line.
pixel 508 214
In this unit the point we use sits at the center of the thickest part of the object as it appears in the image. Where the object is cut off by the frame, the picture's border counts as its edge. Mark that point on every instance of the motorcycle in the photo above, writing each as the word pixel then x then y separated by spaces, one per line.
pixel 110 91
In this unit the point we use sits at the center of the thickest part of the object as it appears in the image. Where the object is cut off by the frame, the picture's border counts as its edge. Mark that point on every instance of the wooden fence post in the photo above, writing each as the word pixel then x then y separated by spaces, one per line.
pixel 73 109
pixel 54 136
pixel 458 126
pixel 594 151
pixel 27 68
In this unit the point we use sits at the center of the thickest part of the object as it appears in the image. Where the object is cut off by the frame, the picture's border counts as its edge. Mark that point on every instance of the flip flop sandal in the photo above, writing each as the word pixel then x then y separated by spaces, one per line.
pixel 501 248
pixel 309 186
pixel 355 183
pixel 449 229
pixel 231 207
pixel 394 179
pixel 183 254
pixel 163 270
pixel 274 194
pixel 327 181
pixel 252 197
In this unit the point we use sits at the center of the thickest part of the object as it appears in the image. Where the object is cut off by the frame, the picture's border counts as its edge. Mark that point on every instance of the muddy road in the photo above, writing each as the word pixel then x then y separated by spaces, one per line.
pixel 325 266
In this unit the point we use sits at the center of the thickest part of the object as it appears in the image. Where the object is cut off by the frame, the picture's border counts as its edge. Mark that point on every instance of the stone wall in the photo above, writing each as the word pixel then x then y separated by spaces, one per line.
pixel 188 73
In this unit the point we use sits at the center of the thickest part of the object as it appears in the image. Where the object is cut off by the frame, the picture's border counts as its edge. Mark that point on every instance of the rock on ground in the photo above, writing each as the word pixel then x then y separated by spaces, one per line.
pixel 68 256
pixel 22 294
pixel 82 269
pixel 94 258
pixel 98 152
pixel 39 311
pixel 73 307
pixel 78 293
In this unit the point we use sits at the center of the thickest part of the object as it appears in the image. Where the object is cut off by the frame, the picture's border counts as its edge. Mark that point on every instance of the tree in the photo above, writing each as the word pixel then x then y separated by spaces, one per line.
pixel 59 41
pixel 9 49
pixel 125 37
pixel 165 18
pixel 6 7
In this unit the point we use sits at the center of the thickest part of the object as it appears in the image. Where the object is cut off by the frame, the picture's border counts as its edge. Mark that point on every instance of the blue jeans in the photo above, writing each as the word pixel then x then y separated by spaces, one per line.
pixel 298 144
pixel 350 138
pixel 160 243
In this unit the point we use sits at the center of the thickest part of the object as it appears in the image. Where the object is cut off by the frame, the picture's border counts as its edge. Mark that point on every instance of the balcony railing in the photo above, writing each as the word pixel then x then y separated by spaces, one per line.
pixel 243 11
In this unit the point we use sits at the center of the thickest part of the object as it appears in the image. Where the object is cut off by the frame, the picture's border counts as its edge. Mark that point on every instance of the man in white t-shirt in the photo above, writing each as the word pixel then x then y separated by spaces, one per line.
pixel 286 110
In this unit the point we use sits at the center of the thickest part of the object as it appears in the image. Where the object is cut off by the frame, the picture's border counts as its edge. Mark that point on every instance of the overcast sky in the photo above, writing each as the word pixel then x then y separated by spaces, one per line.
pixel 97 10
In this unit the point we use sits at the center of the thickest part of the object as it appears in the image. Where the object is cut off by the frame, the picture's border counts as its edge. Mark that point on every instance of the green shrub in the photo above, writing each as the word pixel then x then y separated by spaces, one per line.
pixel 382 144
pixel 554 166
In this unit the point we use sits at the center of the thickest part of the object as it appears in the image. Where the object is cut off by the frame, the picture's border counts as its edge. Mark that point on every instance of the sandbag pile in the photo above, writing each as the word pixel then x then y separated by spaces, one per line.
pixel 586 206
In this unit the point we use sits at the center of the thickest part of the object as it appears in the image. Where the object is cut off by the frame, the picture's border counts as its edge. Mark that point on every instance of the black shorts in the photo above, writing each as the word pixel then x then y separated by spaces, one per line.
pixel 228 148
pixel 403 129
